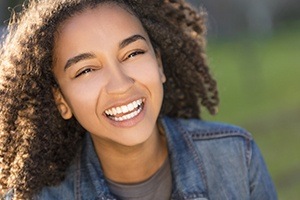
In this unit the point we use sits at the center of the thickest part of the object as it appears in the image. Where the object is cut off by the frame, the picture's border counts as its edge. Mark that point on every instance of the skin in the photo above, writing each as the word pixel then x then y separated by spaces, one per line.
pixel 102 64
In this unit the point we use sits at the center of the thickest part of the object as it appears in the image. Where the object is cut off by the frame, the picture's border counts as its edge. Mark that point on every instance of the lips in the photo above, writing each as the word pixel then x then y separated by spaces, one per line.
pixel 125 112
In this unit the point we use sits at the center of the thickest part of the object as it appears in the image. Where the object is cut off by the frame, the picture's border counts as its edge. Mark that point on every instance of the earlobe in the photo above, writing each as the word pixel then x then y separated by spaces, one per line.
pixel 62 105
pixel 162 75
pixel 161 68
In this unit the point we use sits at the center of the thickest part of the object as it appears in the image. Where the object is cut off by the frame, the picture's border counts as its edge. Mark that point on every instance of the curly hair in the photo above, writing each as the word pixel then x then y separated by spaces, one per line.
pixel 37 145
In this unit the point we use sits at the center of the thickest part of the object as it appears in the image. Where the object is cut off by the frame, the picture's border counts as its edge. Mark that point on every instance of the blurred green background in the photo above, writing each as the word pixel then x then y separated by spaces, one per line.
pixel 254 53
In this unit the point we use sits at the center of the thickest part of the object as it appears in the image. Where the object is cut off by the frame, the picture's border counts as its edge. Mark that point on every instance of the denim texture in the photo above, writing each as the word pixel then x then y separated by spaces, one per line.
pixel 209 160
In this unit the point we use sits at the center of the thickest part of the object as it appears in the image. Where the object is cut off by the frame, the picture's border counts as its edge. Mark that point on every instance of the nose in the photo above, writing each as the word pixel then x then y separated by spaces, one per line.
pixel 119 82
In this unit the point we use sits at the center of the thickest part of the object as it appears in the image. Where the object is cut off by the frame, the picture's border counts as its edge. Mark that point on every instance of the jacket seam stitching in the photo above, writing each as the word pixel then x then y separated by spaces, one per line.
pixel 218 134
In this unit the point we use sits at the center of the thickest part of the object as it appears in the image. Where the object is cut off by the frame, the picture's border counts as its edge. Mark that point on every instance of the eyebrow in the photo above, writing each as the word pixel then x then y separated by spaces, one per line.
pixel 85 56
pixel 130 40
pixel 78 58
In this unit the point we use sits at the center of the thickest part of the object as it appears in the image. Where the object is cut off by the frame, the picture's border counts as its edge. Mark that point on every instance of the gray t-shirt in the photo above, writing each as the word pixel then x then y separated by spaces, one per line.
pixel 158 186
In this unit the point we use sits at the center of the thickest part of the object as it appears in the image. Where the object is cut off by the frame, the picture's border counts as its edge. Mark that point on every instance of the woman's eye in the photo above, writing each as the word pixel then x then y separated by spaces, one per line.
pixel 135 53
pixel 85 71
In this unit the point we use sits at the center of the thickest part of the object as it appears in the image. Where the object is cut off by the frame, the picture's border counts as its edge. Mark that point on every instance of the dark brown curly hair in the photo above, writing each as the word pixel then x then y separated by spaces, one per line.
pixel 37 145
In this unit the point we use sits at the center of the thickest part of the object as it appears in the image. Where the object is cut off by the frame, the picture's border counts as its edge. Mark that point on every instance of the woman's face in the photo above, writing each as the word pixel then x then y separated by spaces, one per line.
pixel 109 75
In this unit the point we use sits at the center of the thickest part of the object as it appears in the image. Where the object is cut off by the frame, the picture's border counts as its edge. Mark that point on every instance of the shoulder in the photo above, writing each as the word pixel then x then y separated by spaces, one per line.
pixel 211 140
pixel 225 154
pixel 202 130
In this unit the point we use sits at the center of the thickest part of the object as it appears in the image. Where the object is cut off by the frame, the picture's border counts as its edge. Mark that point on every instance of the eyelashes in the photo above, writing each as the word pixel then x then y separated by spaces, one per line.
pixel 85 71
pixel 135 53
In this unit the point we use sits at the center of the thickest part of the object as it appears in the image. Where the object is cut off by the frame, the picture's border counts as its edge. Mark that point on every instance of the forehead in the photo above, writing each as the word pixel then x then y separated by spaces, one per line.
pixel 96 29
pixel 103 16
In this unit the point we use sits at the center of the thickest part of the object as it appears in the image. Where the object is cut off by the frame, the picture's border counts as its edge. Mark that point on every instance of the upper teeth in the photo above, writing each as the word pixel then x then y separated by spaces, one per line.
pixel 124 108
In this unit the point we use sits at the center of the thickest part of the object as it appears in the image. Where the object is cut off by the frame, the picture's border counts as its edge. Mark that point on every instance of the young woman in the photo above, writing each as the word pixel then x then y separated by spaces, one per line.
pixel 100 99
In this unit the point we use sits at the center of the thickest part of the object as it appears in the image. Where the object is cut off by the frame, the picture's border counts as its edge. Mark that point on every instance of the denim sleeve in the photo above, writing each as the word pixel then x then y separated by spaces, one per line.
pixel 261 185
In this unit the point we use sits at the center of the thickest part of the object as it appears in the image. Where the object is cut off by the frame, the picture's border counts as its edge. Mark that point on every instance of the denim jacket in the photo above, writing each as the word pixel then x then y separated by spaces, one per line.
pixel 208 161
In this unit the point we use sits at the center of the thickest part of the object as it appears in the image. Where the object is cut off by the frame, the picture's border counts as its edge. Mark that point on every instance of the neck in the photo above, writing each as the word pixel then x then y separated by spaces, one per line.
pixel 133 164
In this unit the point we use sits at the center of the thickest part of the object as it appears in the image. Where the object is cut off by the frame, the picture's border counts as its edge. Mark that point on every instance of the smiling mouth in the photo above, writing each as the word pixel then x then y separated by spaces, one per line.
pixel 125 112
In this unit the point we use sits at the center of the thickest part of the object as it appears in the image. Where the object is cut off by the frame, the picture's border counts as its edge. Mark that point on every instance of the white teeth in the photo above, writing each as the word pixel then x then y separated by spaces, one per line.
pixel 119 110
pixel 130 107
pixel 112 112
pixel 135 104
pixel 124 109
pixel 128 116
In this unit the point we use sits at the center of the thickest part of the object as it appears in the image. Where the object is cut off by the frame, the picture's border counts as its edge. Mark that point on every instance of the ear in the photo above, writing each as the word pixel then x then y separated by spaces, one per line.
pixel 160 66
pixel 62 105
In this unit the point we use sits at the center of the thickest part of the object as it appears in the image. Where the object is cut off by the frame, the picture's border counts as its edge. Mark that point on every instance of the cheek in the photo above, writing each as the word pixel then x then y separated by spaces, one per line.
pixel 149 76
pixel 83 103
pixel 83 95
pixel 146 72
pixel 86 87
